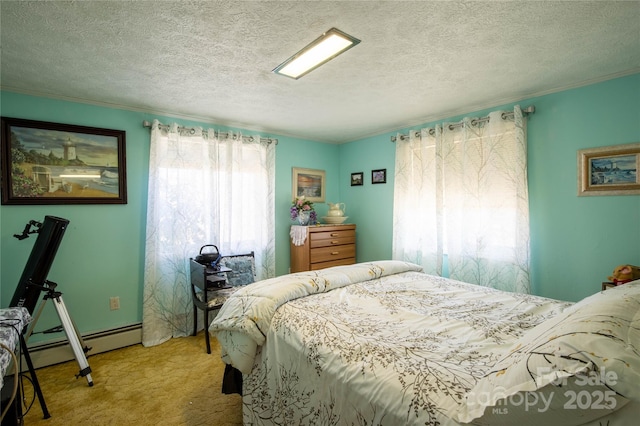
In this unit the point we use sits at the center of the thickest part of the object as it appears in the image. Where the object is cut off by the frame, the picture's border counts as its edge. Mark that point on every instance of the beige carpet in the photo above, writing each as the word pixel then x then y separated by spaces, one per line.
pixel 175 383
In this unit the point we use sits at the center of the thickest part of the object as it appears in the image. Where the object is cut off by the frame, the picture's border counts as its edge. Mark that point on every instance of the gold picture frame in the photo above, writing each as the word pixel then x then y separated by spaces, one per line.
pixel 609 170
pixel 309 183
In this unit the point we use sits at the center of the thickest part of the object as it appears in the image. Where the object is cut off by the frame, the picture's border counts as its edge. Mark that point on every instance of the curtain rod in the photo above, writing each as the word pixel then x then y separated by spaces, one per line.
pixel 526 111
pixel 191 130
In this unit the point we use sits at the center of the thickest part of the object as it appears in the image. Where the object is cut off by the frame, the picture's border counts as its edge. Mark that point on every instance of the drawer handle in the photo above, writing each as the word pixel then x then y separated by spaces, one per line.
pixel 335 242
pixel 335 252
pixel 335 234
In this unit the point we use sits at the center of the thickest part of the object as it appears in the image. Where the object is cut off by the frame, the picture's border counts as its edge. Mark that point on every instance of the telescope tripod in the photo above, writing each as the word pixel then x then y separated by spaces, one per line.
pixel 70 329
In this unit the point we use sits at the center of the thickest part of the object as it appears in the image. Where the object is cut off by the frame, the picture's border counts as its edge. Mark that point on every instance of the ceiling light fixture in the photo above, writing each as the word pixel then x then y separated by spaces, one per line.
pixel 321 50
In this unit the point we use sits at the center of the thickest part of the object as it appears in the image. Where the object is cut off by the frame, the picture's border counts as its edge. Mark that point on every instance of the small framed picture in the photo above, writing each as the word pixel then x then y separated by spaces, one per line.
pixel 609 170
pixel 309 183
pixel 357 179
pixel 379 176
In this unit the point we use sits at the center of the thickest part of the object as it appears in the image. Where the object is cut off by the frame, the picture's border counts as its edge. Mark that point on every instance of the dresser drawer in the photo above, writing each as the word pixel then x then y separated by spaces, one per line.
pixel 336 238
pixel 339 262
pixel 329 234
pixel 326 254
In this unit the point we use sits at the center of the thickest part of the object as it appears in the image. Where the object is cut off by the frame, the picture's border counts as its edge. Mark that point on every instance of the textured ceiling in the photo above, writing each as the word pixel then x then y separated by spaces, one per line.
pixel 211 60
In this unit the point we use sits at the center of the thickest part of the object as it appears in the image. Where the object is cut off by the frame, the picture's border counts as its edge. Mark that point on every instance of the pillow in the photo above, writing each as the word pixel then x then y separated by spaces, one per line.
pixel 242 269
pixel 570 369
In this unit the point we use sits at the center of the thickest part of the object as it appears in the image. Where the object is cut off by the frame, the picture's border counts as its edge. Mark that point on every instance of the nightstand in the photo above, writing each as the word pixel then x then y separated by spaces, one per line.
pixel 206 283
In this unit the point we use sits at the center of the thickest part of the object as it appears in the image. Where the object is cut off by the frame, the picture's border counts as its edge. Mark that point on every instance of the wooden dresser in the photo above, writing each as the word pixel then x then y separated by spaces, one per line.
pixel 325 246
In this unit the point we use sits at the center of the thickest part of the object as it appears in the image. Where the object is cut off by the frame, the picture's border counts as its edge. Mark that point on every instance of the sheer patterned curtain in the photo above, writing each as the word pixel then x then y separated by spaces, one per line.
pixel 416 214
pixel 202 190
pixel 461 201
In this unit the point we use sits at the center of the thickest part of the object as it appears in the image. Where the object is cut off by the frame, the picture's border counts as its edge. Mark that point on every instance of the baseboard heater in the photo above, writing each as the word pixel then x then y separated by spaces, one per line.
pixel 55 352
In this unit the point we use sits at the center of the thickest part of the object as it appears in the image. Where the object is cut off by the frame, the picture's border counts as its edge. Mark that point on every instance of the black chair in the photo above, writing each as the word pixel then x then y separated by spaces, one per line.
pixel 211 288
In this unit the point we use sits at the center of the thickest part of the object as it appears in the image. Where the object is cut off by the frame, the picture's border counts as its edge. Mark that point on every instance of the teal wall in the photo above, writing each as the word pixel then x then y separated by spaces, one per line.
pixel 309 155
pixel 102 252
pixel 575 241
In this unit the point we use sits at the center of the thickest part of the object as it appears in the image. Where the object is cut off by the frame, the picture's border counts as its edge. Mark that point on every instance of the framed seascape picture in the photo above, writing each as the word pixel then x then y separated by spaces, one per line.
pixel 357 179
pixel 309 183
pixel 379 176
pixel 609 170
pixel 51 163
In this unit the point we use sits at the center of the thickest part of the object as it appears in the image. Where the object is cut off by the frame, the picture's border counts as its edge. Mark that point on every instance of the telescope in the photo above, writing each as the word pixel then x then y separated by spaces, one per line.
pixel 33 282
pixel 34 277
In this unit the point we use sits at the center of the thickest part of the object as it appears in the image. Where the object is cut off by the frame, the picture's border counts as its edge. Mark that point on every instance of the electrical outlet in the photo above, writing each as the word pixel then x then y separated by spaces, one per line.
pixel 114 303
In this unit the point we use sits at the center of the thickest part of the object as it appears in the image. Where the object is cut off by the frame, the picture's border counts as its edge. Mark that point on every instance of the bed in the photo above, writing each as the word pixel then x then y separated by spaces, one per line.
pixel 382 343
pixel 12 322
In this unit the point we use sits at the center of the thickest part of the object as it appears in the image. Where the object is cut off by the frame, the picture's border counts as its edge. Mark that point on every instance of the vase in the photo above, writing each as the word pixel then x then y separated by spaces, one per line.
pixel 303 217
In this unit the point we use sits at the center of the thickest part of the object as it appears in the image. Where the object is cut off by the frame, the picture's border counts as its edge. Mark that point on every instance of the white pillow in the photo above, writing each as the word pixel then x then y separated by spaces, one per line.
pixel 573 368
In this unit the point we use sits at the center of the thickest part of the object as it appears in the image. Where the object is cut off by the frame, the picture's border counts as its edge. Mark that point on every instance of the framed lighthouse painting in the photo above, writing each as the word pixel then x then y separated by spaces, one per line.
pixel 609 170
pixel 52 163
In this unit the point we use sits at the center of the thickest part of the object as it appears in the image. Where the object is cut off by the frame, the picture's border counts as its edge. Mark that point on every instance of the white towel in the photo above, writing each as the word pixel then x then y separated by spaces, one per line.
pixel 298 234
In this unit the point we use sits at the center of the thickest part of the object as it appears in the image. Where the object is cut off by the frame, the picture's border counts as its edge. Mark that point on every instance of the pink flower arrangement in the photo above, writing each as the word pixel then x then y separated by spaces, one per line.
pixel 302 204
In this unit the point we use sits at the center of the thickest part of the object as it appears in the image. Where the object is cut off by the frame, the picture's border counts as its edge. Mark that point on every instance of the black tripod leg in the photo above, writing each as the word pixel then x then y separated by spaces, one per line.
pixel 34 378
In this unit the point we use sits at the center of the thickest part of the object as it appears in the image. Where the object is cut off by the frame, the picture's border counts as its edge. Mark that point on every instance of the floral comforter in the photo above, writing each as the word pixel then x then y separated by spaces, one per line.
pixel 12 322
pixel 377 343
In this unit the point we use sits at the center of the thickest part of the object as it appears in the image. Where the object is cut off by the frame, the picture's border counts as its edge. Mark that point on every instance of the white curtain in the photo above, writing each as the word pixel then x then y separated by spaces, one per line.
pixel 203 189
pixel 461 204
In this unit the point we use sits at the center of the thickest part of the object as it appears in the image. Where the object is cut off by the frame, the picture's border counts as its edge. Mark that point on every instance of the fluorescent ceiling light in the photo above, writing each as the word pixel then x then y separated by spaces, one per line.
pixel 321 50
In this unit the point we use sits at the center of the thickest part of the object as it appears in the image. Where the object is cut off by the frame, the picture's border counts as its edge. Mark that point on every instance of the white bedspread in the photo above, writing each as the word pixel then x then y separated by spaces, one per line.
pixel 12 322
pixel 244 319
pixel 392 351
